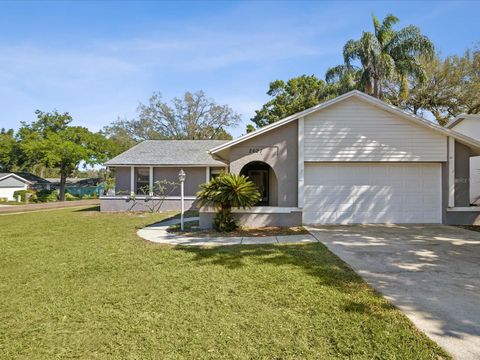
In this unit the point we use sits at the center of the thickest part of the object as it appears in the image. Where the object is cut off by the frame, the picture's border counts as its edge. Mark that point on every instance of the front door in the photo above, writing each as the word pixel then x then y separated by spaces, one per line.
pixel 260 179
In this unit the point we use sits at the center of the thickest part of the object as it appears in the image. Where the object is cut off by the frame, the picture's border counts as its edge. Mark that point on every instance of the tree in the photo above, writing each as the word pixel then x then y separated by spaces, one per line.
pixel 295 95
pixel 192 117
pixel 224 192
pixel 51 141
pixel 8 150
pixel 386 55
pixel 451 88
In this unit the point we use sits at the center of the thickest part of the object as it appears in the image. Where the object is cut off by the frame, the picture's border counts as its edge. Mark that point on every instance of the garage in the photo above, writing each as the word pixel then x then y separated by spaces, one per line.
pixel 356 193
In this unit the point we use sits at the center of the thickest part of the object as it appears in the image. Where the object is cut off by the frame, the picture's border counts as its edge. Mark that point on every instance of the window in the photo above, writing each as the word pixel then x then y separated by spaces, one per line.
pixel 143 181
pixel 215 173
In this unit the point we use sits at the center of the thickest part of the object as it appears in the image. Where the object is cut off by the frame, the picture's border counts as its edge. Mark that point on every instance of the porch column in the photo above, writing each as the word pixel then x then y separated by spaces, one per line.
pixel 207 174
pixel 150 179
pixel 132 180
pixel 301 164
pixel 451 171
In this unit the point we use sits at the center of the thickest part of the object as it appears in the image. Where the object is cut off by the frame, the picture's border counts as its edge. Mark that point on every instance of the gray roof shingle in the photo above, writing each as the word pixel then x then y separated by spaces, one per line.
pixel 169 152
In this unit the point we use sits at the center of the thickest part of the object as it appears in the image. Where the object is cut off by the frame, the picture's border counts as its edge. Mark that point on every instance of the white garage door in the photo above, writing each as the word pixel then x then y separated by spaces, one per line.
pixel 372 193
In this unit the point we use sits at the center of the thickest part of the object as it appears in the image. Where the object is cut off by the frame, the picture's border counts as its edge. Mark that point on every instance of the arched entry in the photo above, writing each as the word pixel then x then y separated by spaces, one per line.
pixel 264 177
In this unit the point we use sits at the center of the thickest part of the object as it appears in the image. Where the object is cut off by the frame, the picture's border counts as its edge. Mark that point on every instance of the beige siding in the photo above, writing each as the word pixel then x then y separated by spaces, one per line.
pixel 355 131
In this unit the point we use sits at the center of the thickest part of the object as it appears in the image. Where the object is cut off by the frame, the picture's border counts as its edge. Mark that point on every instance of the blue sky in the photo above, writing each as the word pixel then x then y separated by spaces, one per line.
pixel 97 60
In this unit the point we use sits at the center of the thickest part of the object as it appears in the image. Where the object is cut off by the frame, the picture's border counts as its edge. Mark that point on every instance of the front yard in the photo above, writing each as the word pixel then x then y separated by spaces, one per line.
pixel 81 284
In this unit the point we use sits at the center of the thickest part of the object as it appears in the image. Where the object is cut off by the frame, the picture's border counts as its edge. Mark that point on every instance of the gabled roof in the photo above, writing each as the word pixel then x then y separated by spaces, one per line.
pixel 454 122
pixel 7 175
pixel 361 96
pixel 168 152
pixel 34 179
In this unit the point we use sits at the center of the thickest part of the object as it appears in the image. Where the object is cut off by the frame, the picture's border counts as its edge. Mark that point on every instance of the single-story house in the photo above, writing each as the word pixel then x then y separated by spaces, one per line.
pixel 14 181
pixel 36 182
pixel 352 159
pixel 9 183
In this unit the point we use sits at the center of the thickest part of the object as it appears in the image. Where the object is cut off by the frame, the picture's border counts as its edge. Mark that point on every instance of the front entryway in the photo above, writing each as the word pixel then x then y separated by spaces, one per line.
pixel 372 193
pixel 263 176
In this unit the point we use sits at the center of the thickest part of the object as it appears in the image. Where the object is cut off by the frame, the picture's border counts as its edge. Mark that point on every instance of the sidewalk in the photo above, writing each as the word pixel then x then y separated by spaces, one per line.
pixel 44 206
pixel 157 233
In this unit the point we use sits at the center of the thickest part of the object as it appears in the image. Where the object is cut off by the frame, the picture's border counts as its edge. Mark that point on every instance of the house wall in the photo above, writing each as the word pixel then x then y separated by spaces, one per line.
pixel 251 218
pixel 195 176
pixel 355 131
pixel 469 127
pixel 9 185
pixel 11 182
pixel 279 149
pixel 119 204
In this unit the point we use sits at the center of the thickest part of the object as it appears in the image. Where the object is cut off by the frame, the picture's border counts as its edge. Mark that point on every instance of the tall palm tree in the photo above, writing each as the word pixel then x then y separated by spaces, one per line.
pixel 385 54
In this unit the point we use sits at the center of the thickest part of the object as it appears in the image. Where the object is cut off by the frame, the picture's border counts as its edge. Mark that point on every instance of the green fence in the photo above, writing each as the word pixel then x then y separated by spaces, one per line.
pixel 84 190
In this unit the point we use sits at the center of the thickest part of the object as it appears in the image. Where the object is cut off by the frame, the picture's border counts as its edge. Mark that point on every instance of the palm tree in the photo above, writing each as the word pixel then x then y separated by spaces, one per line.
pixel 224 192
pixel 385 54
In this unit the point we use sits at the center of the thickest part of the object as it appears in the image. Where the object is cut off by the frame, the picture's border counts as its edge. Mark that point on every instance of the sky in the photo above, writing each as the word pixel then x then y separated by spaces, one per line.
pixel 99 59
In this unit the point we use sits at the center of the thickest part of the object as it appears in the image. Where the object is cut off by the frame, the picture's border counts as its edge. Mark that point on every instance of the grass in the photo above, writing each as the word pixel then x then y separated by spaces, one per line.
pixel 80 284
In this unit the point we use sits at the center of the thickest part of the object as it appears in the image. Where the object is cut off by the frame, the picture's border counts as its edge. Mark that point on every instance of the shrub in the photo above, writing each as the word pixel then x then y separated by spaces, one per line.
pixel 224 192
pixel 22 193
pixel 47 195
pixel 70 197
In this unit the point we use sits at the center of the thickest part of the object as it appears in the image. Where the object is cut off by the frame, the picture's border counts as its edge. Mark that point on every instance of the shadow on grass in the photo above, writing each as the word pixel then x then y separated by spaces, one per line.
pixel 95 208
pixel 314 259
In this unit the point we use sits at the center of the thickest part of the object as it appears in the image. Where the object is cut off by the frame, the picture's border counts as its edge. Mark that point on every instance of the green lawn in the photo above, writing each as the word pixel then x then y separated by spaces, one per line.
pixel 80 284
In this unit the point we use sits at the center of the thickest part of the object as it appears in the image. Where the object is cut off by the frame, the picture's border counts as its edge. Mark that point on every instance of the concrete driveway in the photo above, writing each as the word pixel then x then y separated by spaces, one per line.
pixel 432 273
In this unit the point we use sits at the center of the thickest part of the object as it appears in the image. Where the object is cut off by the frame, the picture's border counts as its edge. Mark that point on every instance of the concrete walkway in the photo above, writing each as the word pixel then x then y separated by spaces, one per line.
pixel 431 273
pixel 157 233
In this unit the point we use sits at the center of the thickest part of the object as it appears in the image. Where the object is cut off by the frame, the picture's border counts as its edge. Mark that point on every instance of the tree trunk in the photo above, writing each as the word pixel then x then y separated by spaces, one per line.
pixel 63 181
pixel 376 88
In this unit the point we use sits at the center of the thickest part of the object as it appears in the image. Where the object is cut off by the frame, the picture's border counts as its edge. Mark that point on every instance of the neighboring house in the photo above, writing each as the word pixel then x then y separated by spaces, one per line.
pixel 469 125
pixel 11 182
pixel 37 182
pixel 150 161
pixel 352 159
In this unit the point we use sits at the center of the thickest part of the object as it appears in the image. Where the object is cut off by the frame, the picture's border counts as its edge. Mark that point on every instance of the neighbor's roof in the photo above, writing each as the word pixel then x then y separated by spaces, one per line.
pixel 34 179
pixel 454 122
pixel 7 175
pixel 359 95
pixel 169 152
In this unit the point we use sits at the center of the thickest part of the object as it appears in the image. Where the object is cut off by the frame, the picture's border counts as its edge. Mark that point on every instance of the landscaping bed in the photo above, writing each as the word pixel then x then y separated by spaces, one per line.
pixel 191 229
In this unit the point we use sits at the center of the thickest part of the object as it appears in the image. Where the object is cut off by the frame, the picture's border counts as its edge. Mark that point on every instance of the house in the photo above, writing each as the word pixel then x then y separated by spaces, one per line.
pixel 11 182
pixel 352 159
pixel 37 182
